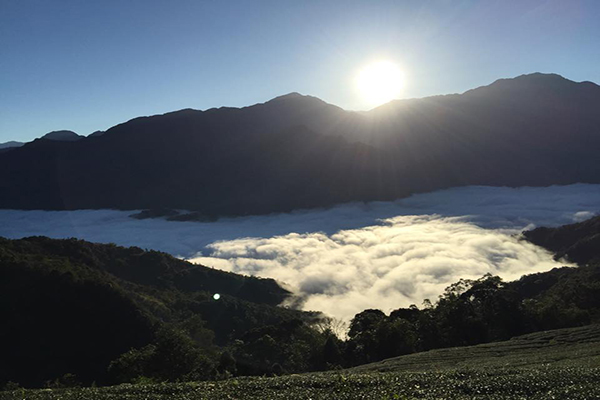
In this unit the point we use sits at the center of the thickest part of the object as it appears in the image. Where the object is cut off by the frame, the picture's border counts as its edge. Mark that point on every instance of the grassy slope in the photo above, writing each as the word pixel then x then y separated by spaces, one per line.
pixel 559 364
pixel 561 347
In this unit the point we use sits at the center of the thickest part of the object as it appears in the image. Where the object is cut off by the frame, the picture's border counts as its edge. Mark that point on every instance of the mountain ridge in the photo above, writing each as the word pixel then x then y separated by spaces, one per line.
pixel 64 135
pixel 297 151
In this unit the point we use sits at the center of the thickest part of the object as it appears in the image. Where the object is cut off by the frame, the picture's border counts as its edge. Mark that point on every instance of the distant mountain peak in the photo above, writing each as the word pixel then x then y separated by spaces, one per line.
pixel 541 79
pixel 536 77
pixel 540 75
pixel 549 79
pixel 11 144
pixel 63 136
pixel 295 96
pixel 292 95
pixel 294 99
pixel 536 82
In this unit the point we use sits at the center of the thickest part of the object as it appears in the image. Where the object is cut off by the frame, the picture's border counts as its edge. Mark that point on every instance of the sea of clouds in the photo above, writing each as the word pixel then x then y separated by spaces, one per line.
pixel 355 256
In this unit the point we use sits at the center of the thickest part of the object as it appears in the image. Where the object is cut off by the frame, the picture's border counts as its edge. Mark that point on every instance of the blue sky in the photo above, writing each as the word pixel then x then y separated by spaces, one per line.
pixel 88 65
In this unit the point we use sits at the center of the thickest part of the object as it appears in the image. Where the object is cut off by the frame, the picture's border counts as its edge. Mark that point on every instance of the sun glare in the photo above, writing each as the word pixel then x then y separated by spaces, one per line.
pixel 380 82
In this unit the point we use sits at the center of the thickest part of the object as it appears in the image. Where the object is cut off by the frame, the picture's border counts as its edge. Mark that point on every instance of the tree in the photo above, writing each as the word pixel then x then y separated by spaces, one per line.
pixel 227 363
pixel 332 355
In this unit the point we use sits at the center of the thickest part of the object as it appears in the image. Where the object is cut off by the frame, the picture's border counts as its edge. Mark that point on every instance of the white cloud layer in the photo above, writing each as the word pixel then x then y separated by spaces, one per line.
pixel 397 263
pixel 351 257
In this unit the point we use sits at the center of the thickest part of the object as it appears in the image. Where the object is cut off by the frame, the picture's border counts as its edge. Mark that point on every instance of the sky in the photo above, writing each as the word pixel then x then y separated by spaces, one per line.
pixel 89 65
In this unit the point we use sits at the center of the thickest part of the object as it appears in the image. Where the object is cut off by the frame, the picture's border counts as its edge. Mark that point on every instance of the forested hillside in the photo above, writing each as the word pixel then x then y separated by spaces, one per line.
pixel 80 313
pixel 77 308
pixel 578 243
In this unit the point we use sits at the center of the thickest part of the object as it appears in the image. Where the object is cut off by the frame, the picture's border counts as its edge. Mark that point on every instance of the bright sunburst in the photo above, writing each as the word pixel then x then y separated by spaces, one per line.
pixel 380 82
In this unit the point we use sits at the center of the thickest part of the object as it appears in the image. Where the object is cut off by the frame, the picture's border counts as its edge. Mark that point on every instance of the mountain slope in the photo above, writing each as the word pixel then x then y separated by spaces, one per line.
pixel 578 242
pixel 297 151
pixel 11 144
pixel 73 307
pixel 213 171
pixel 8 146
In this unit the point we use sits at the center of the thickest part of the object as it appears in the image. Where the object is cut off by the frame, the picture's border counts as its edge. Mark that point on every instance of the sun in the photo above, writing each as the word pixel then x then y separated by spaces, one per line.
pixel 380 82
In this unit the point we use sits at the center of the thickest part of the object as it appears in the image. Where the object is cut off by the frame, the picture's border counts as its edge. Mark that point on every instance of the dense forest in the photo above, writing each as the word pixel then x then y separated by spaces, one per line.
pixel 73 307
pixel 77 313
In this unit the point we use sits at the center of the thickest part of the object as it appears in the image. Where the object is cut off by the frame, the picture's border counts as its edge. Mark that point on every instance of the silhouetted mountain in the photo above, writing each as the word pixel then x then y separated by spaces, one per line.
pixel 11 144
pixel 297 151
pixel 4 147
pixel 64 136
pixel 96 134
pixel 579 243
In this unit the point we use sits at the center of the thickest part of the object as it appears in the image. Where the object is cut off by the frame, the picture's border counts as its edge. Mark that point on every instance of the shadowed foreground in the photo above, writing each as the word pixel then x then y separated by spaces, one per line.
pixel 560 364
pixel 543 383
pixel 574 347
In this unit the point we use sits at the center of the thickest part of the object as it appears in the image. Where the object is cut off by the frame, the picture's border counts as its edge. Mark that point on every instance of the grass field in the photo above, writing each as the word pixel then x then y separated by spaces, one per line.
pixel 560 364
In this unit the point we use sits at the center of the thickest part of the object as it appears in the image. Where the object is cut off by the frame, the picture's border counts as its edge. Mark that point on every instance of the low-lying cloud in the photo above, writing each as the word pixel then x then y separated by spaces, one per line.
pixel 355 256
pixel 402 261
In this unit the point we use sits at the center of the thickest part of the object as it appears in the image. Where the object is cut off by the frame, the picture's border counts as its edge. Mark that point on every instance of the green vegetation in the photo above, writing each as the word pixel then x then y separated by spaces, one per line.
pixel 559 364
pixel 480 311
pixel 572 347
pixel 548 383
pixel 107 314
pixel 83 314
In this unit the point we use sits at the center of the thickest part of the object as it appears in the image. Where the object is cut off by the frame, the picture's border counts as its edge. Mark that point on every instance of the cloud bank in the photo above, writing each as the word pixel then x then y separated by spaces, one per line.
pixel 402 261
pixel 355 256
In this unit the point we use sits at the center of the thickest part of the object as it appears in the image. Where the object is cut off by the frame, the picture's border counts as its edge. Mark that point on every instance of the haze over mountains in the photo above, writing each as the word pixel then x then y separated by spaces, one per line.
pixel 297 152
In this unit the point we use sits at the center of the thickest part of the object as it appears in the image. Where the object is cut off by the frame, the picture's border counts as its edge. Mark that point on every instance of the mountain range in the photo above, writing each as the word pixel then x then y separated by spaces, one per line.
pixel 65 136
pixel 298 151
pixel 10 144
